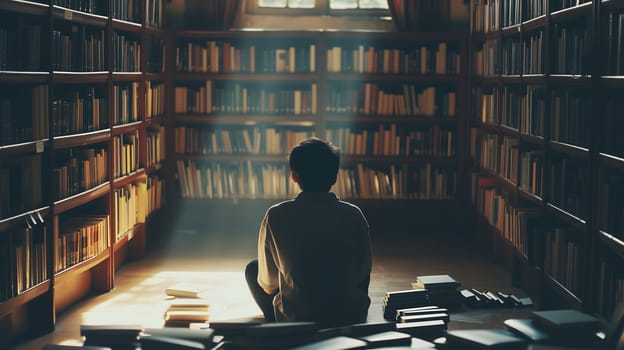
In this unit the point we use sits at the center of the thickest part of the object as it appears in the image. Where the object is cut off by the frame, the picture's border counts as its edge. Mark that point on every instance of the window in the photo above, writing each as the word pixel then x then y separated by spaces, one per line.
pixel 319 6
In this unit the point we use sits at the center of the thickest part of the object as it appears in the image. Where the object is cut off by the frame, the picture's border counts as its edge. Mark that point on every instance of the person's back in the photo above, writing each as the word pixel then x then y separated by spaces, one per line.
pixel 314 253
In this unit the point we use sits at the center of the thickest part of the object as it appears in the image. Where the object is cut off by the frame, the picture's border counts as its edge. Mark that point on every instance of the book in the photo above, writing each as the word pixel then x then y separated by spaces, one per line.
pixel 156 342
pixel 361 329
pixel 424 317
pixel 435 282
pixel 196 304
pixel 565 320
pixel 203 336
pixel 499 339
pixel 387 338
pixel 416 311
pixel 73 347
pixel 183 290
pixel 428 330
pixel 113 336
pixel 527 329
pixel 281 329
pixel 233 327
pixel 335 343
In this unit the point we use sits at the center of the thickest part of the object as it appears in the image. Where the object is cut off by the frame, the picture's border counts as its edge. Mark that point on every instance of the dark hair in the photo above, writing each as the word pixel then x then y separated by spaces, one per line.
pixel 314 163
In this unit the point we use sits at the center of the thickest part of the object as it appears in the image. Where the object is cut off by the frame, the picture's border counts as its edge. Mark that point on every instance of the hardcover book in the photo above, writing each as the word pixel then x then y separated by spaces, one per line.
pixel 499 339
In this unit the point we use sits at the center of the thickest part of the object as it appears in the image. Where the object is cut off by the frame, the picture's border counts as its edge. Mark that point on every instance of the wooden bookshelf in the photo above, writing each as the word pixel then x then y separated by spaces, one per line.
pixel 51 85
pixel 587 163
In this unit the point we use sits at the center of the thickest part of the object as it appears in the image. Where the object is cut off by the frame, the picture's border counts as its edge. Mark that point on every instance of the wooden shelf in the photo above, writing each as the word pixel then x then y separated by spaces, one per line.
pixel 84 139
pixel 234 158
pixel 613 243
pixel 24 7
pixel 507 184
pixel 572 220
pixel 490 128
pixel 534 24
pixel 508 130
pixel 154 76
pixel 532 139
pixel 571 80
pixel 492 35
pixel 247 77
pixel 127 76
pixel 572 13
pixel 534 79
pixel 25 297
pixel 138 175
pixel 512 30
pixel 20 219
pixel 125 128
pixel 347 159
pixel 126 26
pixel 531 197
pixel 82 198
pixel 612 5
pixel 80 267
pixel 154 121
pixel 251 120
pixel 78 17
pixel 562 292
pixel 612 82
pixel 19 77
pixel 159 33
pixel 61 77
pixel 237 34
pixel 612 161
pixel 25 148
pixel 400 77
pixel 351 118
pixel 153 169
pixel 511 79
pixel 570 150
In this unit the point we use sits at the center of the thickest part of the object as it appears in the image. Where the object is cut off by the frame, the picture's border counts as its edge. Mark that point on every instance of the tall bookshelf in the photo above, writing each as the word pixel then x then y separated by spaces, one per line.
pixel 393 103
pixel 546 164
pixel 81 150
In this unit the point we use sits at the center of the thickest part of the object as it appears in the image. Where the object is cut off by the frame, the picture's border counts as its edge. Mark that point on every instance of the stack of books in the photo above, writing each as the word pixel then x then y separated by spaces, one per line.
pixel 403 299
pixel 425 322
pixel 160 336
pixel 185 307
pixel 115 337
pixel 563 327
pixel 441 290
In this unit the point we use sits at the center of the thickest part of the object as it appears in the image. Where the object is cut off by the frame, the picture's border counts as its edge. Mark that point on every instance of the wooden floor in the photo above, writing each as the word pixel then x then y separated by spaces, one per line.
pixel 214 263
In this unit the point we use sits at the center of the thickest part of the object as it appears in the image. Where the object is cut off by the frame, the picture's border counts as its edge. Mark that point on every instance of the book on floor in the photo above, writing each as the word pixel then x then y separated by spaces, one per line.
pixel 528 329
pixel 156 342
pixel 387 338
pixel 565 320
pixel 183 290
pixel 435 282
pixel 427 330
pixel 111 335
pixel 335 343
pixel 494 339
pixel 204 336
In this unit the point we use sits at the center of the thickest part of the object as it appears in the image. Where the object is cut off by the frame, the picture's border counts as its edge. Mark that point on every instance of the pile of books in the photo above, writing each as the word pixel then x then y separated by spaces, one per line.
pixel 474 298
pixel 402 299
pixel 425 322
pixel 115 337
pixel 441 290
pixel 185 307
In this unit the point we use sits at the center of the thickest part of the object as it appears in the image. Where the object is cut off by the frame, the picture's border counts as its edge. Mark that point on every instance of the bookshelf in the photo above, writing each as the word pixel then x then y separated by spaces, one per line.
pixel 393 103
pixel 82 148
pixel 546 167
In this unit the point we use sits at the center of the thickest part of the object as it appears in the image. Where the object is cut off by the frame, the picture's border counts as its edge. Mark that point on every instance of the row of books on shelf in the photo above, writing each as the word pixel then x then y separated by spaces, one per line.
pixel 614 32
pixel 403 100
pixel 20 47
pixel 485 15
pixel 80 170
pixel 126 10
pixel 533 54
pixel 126 53
pixel 78 50
pixel 238 140
pixel 80 238
pixel 125 154
pixel 155 146
pixel 245 179
pixel 613 141
pixel 20 180
pixel 155 193
pixel 155 99
pixel 511 57
pixel 154 53
pixel 154 13
pixel 610 217
pixel 244 99
pixel 573 48
pixel 130 205
pixel 610 288
pixel 562 258
pixel 570 111
pixel 125 103
pixel 217 56
pixel 508 162
pixel 23 259
pixel 76 111
pixel 23 114
pixel 570 191
pixel 424 59
pixel 390 140
pixel 89 6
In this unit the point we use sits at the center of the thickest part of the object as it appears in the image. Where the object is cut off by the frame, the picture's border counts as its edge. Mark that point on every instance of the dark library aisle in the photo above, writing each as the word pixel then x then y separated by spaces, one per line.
pixel 214 262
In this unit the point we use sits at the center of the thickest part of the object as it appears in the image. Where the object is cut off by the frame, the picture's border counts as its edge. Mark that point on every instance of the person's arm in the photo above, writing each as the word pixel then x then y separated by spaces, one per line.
pixel 268 274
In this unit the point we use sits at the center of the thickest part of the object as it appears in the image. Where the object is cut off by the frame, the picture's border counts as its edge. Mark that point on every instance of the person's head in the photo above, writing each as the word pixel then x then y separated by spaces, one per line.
pixel 314 164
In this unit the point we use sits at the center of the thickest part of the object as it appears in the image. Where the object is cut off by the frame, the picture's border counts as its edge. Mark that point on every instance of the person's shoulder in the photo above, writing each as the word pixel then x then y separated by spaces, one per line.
pixel 280 206
pixel 350 206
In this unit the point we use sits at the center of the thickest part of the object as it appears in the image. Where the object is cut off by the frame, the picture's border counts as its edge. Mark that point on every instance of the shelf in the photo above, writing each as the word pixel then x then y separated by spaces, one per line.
pixel 124 128
pixel 477 37
pixel 513 30
pixel 533 198
pixel 508 130
pixel 570 150
pixel 572 13
pixel 84 139
pixel 127 76
pixel 234 158
pixel 130 178
pixel 81 198
pixel 154 169
pixel 492 35
pixel 534 79
pixel 347 159
pixel 396 36
pixel 154 121
pixel 154 76
pixel 534 24
pixel 25 148
pixel 20 219
pixel 18 77
pixel 30 294
pixel 127 237
pixel 563 292
pixel 126 26
pixel 153 32
pixel 74 16
pixel 612 161
pixel 61 77
pixel 399 77
pixel 614 244
pixel 80 267
pixel 490 80
pixel 511 79
pixel 24 7
pixel 244 34
pixel 490 128
pixel 507 184
pixel 251 120
pixel 571 80
pixel 355 118
pixel 532 139
pixel 612 4
pixel 576 222
pixel 614 82
pixel 256 77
